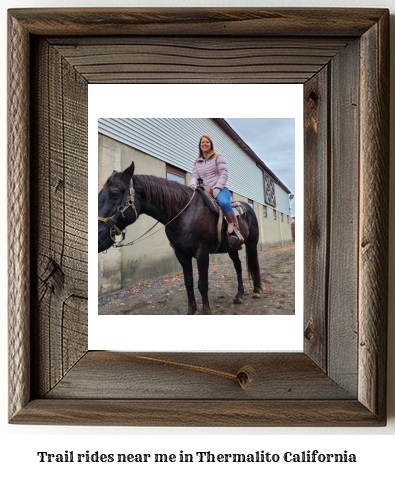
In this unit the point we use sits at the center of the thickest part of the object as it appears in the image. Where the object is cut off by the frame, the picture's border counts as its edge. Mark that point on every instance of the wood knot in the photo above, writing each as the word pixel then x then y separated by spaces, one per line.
pixel 313 96
pixel 309 332
pixel 244 376
pixel 59 185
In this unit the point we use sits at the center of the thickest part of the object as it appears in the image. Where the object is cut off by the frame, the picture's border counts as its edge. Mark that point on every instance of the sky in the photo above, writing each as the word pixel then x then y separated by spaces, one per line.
pixel 273 141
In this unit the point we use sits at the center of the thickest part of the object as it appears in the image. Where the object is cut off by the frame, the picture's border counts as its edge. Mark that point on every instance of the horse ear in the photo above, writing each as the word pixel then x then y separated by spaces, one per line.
pixel 128 173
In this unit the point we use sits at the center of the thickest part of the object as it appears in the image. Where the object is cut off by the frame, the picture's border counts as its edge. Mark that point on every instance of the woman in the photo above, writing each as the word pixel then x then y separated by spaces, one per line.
pixel 212 168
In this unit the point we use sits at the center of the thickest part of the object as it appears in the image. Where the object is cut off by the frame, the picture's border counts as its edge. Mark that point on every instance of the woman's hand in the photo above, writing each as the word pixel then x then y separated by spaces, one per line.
pixel 216 191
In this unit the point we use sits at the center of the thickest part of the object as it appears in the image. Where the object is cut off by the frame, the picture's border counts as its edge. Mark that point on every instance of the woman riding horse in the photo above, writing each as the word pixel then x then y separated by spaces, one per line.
pixel 211 171
pixel 126 196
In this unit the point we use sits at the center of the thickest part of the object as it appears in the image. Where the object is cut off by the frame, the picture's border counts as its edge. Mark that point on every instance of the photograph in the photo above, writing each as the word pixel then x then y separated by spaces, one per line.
pixel 215 222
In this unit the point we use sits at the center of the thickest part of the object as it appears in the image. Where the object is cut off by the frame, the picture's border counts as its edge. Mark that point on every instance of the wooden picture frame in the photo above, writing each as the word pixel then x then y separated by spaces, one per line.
pixel 342 58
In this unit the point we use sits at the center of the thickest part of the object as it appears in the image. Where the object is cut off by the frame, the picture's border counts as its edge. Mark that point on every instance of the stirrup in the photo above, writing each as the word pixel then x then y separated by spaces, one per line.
pixel 235 238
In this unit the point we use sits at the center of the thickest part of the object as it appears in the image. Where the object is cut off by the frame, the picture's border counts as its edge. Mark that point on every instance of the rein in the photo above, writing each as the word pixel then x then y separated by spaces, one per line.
pixel 114 229
pixel 138 239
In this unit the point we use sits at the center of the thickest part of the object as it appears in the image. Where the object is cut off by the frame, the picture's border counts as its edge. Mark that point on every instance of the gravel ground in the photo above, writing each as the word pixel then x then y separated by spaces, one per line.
pixel 167 295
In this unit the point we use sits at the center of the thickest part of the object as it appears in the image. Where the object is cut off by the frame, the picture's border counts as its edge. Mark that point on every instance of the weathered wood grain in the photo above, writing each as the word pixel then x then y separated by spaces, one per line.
pixel 373 226
pixel 343 220
pixel 224 60
pixel 48 266
pixel 201 413
pixel 218 22
pixel 18 209
pixel 61 204
pixel 186 376
pixel 316 198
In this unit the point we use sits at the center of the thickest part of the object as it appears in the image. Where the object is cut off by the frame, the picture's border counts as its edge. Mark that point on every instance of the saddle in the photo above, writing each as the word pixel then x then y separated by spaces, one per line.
pixel 212 203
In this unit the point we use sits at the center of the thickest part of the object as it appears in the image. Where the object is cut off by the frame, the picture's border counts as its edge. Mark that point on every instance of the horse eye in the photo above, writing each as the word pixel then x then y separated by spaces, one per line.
pixel 114 194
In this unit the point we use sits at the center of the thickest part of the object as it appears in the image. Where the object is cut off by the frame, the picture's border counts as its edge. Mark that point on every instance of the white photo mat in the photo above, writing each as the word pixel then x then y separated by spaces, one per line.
pixel 234 333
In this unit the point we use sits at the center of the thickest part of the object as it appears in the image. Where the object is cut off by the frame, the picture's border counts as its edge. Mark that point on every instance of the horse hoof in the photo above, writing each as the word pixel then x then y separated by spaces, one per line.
pixel 206 312
pixel 255 295
pixel 191 311
pixel 237 300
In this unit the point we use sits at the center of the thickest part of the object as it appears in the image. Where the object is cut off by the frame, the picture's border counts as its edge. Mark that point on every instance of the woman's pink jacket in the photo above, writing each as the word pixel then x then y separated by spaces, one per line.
pixel 214 172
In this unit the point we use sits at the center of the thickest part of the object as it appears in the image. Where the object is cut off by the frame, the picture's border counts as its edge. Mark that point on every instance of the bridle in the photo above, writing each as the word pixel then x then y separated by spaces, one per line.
pixel 111 221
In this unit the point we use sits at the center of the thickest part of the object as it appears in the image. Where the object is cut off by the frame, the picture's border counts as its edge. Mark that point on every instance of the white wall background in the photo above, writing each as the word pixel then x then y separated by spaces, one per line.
pixel 18 452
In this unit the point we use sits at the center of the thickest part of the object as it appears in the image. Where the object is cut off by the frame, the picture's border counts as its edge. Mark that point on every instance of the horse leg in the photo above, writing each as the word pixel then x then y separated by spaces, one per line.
pixel 253 268
pixel 202 258
pixel 186 263
pixel 234 255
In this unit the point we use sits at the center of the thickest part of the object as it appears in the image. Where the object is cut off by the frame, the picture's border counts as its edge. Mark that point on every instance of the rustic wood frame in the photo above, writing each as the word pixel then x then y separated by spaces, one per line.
pixel 342 57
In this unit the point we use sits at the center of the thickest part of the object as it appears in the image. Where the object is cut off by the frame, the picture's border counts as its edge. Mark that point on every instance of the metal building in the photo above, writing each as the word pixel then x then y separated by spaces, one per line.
pixel 168 147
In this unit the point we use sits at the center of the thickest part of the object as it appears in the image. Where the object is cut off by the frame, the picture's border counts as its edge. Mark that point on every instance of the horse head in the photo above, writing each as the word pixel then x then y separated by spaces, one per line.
pixel 118 207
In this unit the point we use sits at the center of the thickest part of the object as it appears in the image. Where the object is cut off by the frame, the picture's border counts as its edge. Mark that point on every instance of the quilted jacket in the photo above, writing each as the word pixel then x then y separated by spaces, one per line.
pixel 214 172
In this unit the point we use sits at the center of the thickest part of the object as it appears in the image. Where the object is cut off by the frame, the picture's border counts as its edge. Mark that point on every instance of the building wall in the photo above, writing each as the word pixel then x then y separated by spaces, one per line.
pixel 282 200
pixel 109 267
pixel 175 141
pixel 275 229
pixel 149 258
pixel 153 257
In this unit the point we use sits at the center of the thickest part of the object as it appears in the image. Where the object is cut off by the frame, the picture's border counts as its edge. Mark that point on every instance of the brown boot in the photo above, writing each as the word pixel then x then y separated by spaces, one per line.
pixel 235 237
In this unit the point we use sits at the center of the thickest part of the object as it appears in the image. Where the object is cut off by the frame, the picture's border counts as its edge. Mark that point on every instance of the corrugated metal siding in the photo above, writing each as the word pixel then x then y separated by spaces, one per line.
pixel 282 200
pixel 175 141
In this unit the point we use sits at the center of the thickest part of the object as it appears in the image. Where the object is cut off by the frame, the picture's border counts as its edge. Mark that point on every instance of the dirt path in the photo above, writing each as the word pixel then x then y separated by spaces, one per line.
pixel 167 295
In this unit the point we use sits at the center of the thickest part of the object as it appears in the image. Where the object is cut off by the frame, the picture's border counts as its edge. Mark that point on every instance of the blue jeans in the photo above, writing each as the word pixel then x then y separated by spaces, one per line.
pixel 224 199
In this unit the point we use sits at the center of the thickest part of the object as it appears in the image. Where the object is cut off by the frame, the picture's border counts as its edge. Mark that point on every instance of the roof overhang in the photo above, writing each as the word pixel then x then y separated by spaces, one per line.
pixel 244 146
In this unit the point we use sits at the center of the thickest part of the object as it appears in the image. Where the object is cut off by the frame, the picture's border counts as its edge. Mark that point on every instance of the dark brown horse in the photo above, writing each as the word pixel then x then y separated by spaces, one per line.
pixel 192 232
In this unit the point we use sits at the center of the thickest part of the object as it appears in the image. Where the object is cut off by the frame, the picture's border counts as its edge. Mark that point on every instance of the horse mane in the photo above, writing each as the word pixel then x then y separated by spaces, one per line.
pixel 168 195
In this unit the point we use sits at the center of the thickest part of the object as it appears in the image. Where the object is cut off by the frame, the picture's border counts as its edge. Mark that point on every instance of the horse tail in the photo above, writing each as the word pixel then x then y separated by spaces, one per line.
pixel 254 272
